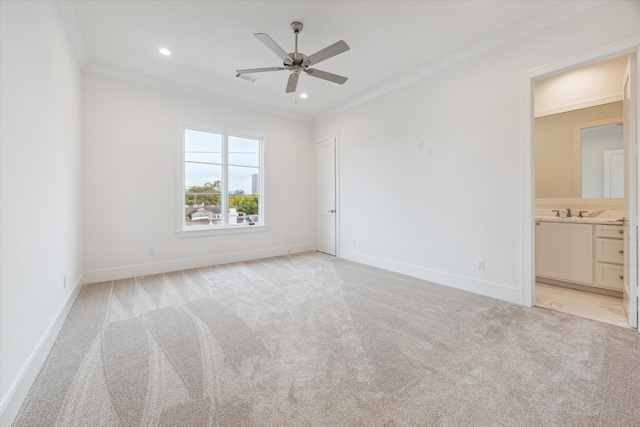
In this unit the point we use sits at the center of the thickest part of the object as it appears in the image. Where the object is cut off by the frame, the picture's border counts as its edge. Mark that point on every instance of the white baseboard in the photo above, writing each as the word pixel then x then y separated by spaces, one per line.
pixel 187 263
pixel 12 402
pixel 475 286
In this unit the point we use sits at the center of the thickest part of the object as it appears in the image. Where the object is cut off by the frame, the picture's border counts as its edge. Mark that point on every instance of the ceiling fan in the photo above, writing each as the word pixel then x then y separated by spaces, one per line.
pixel 299 62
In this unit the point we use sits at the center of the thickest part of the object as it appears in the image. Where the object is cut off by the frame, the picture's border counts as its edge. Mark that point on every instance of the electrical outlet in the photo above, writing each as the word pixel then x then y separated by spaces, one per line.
pixel 479 264
pixel 151 251
pixel 420 146
pixel 429 151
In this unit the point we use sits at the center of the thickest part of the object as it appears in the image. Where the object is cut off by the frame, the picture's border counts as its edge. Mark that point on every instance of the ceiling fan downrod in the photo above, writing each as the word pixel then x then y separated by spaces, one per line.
pixel 297 27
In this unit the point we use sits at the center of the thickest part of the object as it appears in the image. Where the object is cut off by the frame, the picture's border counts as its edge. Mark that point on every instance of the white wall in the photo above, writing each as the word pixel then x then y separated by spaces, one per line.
pixel 130 143
pixel 433 216
pixel 40 221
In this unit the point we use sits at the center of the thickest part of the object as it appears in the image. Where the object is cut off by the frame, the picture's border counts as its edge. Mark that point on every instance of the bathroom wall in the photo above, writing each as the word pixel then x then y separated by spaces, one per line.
pixel 578 205
pixel 584 87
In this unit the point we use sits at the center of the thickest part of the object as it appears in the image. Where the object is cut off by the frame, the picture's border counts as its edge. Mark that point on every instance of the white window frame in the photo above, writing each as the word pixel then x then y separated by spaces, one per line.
pixel 226 132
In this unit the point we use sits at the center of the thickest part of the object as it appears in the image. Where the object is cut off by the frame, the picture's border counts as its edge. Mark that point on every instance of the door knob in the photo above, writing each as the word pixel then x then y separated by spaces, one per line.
pixel 332 211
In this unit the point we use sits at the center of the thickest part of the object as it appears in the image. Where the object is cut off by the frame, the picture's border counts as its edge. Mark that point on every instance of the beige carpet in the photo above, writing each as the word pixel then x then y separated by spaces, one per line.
pixel 310 340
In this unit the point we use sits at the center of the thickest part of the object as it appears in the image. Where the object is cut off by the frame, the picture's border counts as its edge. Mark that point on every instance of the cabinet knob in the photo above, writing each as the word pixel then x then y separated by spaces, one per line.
pixel 620 251
pixel 620 231
pixel 620 277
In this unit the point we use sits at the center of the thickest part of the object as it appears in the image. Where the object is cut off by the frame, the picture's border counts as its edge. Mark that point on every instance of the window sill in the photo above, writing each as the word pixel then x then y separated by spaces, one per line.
pixel 206 231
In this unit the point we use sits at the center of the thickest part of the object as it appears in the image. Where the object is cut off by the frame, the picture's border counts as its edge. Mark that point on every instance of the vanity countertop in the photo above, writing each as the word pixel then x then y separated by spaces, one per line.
pixel 585 220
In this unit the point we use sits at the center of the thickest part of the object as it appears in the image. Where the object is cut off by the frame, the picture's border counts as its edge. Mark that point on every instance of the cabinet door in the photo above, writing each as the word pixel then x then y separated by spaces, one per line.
pixel 565 251
pixel 610 250
pixel 609 276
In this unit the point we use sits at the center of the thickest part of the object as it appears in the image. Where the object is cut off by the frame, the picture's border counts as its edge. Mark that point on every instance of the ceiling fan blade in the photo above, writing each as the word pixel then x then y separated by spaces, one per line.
pixel 328 52
pixel 326 76
pixel 275 47
pixel 292 83
pixel 259 70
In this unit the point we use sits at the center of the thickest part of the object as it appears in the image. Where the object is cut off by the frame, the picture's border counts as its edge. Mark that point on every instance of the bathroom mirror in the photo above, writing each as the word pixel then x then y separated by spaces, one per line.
pixel 561 170
pixel 602 161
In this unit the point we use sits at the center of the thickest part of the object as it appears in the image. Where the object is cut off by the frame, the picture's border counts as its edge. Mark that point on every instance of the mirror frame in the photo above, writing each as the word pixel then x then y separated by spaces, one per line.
pixel 577 149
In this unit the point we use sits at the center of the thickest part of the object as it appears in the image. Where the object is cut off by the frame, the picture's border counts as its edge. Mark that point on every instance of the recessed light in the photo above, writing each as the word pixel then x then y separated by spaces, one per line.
pixel 303 95
pixel 164 51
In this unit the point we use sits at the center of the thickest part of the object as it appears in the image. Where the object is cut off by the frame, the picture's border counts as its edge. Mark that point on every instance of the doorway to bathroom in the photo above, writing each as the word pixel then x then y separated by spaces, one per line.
pixel 580 246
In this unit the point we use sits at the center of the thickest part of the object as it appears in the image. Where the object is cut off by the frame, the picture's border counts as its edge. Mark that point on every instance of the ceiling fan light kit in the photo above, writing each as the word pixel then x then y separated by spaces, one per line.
pixel 298 62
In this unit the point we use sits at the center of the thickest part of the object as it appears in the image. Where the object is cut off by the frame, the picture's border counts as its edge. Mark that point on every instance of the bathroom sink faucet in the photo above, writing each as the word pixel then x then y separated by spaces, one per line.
pixel 568 213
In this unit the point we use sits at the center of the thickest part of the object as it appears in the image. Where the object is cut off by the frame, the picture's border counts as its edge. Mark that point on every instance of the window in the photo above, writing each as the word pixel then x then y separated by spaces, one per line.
pixel 222 180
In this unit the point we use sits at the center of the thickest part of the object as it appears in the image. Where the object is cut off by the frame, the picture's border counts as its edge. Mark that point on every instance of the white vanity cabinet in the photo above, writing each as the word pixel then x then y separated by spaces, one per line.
pixel 609 257
pixel 564 251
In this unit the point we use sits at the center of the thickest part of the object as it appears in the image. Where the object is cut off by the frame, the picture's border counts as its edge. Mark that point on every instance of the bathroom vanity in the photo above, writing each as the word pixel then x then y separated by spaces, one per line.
pixel 581 251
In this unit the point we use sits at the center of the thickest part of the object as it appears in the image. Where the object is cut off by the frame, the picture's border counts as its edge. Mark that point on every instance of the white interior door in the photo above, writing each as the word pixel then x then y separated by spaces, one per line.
pixel 325 165
pixel 613 173
pixel 630 107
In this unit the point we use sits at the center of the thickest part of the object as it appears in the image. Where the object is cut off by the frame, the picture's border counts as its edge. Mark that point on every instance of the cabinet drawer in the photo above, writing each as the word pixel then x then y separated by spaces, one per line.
pixel 609 250
pixel 609 276
pixel 610 230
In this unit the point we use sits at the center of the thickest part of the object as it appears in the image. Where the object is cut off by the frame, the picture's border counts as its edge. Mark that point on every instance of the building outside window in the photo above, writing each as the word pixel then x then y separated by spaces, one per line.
pixel 222 178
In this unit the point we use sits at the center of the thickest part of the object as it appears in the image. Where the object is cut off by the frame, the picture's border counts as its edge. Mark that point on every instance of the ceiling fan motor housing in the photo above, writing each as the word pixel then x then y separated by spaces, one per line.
pixel 297 63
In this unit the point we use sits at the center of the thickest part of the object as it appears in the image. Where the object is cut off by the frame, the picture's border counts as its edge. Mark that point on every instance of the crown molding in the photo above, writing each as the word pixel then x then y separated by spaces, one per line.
pixel 70 20
pixel 146 80
pixel 529 27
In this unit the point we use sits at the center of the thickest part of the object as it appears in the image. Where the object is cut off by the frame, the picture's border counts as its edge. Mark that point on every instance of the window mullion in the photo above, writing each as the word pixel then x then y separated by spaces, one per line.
pixel 224 196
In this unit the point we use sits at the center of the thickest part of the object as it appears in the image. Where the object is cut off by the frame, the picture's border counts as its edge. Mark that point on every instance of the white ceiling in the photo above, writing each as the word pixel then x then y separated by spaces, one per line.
pixel 209 40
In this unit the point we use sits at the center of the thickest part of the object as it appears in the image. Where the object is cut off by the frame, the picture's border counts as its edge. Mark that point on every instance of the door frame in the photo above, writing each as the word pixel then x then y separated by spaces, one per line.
pixel 528 78
pixel 336 141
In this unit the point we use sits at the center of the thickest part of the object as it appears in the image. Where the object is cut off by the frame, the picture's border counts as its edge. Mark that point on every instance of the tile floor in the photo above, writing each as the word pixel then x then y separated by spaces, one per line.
pixel 584 304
